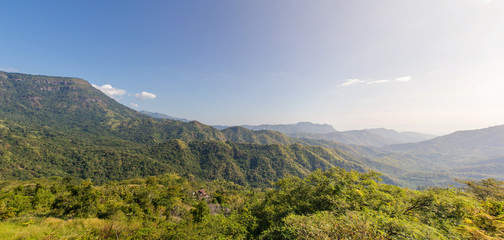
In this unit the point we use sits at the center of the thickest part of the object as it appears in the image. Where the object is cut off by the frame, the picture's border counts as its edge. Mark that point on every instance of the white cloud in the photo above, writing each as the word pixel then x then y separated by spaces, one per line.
pixel 145 95
pixel 349 82
pixel 9 70
pixel 110 91
pixel 355 81
pixel 134 105
pixel 403 79
pixel 378 81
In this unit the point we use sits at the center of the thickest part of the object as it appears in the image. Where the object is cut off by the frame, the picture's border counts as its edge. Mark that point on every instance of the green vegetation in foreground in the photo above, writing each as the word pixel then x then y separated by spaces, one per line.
pixel 334 204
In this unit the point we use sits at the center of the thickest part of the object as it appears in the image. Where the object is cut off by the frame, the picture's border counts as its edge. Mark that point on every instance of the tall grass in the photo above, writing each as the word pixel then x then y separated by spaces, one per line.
pixel 54 228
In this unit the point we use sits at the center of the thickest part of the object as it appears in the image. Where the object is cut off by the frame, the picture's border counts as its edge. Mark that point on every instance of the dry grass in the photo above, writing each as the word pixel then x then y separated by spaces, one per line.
pixel 54 228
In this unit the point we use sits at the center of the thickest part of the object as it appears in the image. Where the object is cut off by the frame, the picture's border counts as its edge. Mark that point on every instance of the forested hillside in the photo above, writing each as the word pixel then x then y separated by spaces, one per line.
pixel 53 126
pixel 29 153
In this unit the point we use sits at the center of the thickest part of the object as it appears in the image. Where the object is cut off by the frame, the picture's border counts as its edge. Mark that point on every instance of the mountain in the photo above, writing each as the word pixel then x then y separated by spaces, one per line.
pixel 65 103
pixel 72 104
pixel 27 153
pixel 400 137
pixel 357 137
pixel 255 164
pixel 162 115
pixel 244 135
pixel 368 137
pixel 310 130
pixel 300 127
pixel 472 144
pixel 474 154
pixel 57 126
pixel 377 137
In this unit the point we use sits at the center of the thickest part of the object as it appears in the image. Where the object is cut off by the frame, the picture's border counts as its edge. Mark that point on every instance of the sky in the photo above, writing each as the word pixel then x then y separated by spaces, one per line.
pixel 429 66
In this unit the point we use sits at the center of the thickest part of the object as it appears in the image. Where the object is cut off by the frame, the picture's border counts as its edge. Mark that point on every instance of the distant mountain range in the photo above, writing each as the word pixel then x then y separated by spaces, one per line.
pixel 300 127
pixel 400 137
pixel 473 154
pixel 479 143
pixel 161 115
pixel 368 137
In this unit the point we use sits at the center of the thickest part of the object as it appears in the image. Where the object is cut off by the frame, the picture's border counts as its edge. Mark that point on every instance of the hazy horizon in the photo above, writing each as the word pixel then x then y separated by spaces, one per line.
pixel 426 66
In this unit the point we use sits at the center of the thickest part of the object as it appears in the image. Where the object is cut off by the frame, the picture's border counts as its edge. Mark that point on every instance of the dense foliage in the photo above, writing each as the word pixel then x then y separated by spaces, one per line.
pixel 334 204
pixel 30 152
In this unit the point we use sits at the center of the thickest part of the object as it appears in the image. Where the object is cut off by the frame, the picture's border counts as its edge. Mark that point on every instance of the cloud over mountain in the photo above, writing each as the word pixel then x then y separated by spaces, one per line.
pixel 145 95
pixel 110 91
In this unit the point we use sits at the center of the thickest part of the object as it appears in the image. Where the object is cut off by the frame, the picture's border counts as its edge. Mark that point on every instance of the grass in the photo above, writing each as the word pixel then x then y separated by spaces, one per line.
pixel 54 228
pixel 50 228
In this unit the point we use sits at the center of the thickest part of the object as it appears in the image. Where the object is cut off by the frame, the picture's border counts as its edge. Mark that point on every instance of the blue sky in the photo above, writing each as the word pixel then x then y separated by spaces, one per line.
pixel 427 65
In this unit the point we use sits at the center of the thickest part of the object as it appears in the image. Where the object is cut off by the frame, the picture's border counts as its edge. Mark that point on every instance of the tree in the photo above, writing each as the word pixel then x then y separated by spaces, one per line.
pixel 200 211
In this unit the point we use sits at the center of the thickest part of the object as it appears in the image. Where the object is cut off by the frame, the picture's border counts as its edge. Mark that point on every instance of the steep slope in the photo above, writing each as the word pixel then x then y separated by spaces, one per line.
pixel 58 102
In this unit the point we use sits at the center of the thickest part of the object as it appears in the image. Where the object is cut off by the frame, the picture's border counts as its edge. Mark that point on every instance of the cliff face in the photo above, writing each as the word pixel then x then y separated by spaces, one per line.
pixel 38 89
pixel 58 102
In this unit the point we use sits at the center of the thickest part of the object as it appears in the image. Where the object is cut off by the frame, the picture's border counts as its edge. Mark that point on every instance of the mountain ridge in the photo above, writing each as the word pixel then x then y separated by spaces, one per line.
pixel 56 126
pixel 300 127
pixel 485 142
pixel 376 137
